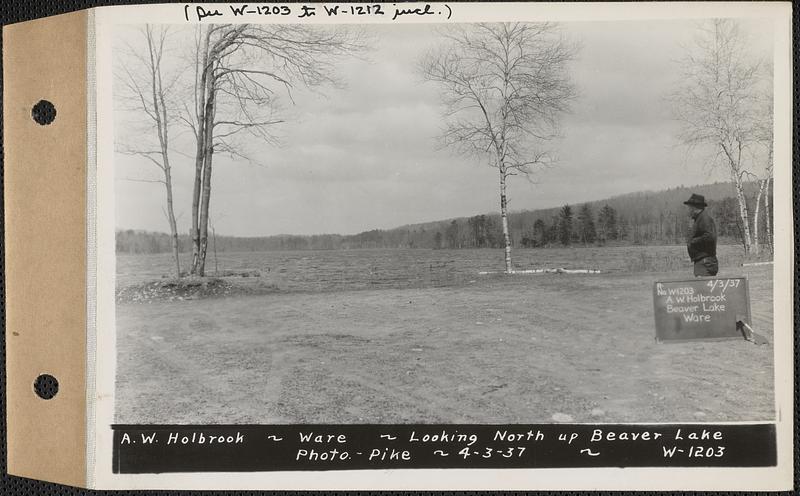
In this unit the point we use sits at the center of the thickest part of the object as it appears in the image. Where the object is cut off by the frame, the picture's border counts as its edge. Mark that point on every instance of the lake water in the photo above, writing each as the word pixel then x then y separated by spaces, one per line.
pixel 408 268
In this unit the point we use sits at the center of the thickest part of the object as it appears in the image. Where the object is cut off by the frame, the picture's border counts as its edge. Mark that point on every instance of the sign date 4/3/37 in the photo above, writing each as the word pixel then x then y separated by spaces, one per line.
pixel 510 452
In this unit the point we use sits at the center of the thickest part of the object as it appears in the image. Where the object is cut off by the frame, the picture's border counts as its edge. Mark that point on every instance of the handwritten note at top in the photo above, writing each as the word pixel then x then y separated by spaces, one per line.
pixel 393 12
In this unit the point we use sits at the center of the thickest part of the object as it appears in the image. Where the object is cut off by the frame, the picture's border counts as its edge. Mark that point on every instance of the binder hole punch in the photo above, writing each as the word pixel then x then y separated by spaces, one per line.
pixel 46 386
pixel 43 112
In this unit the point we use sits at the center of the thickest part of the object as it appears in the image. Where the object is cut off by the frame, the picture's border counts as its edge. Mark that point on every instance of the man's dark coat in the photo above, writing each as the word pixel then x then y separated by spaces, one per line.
pixel 703 240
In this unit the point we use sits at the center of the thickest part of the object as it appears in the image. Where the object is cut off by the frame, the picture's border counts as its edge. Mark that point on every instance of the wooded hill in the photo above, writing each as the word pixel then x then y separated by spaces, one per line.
pixel 641 218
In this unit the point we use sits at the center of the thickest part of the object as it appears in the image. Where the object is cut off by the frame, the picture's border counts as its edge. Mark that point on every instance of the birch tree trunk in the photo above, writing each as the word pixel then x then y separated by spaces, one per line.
pixel 504 220
pixel 756 212
pixel 767 218
pixel 743 213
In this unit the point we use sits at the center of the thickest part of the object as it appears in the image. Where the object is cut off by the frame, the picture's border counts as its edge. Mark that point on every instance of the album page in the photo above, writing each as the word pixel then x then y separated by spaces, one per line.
pixel 442 246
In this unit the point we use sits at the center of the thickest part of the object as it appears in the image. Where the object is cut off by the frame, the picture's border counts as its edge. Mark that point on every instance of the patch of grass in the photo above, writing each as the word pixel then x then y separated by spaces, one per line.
pixel 648 262
pixel 187 288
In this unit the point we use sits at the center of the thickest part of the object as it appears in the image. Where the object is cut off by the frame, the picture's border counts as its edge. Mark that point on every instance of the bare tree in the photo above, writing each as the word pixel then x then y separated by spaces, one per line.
pixel 763 192
pixel 142 76
pixel 504 87
pixel 239 70
pixel 767 218
pixel 717 105
pixel 765 138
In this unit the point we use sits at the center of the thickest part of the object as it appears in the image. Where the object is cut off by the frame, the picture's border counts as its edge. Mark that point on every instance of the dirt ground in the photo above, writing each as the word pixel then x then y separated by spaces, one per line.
pixel 522 349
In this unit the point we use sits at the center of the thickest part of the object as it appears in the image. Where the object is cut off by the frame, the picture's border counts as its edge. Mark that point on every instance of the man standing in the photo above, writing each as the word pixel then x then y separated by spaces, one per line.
pixel 702 243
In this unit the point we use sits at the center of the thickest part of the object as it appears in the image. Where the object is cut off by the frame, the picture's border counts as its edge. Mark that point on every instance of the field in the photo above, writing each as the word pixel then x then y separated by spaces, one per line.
pixel 371 269
pixel 399 336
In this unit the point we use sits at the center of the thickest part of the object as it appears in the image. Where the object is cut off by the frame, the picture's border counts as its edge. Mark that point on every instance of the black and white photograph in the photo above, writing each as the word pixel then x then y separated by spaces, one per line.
pixel 401 246
pixel 444 223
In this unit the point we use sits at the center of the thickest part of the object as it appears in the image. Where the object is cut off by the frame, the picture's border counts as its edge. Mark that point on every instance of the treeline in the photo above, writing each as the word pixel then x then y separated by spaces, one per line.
pixel 646 218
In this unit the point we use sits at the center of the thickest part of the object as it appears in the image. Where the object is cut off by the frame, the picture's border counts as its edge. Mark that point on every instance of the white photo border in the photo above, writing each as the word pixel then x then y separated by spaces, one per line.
pixel 769 478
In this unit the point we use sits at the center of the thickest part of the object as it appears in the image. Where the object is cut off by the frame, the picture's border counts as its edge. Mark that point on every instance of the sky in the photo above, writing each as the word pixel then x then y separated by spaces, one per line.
pixel 365 155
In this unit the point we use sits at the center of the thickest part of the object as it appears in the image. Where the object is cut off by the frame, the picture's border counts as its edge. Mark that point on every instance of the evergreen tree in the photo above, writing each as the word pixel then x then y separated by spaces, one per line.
pixel 726 215
pixel 540 234
pixel 565 225
pixel 553 232
pixel 587 233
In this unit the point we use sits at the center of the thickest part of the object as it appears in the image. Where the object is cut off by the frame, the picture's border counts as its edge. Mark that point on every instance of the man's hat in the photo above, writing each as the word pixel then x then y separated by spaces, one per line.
pixel 696 201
